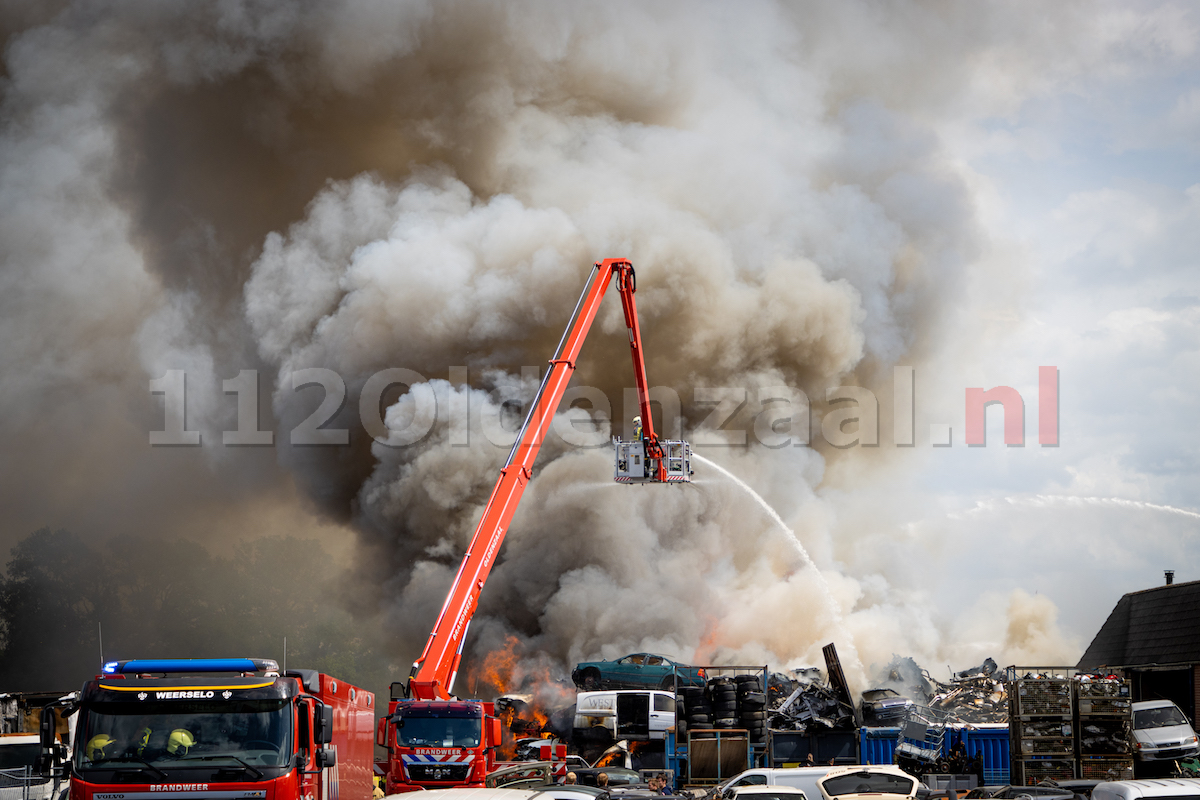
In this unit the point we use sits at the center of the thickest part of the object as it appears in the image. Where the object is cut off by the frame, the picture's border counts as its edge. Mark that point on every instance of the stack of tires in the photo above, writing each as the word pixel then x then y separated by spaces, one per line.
pixel 725 703
pixel 751 707
pixel 722 694
pixel 697 710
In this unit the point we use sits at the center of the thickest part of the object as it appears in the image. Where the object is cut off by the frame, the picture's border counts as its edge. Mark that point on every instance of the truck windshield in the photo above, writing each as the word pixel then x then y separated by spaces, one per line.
pixel 439 731
pixel 15 756
pixel 185 733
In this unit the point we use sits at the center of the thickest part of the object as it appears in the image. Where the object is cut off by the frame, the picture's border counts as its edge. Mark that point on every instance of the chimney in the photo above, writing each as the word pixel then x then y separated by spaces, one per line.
pixel 1170 575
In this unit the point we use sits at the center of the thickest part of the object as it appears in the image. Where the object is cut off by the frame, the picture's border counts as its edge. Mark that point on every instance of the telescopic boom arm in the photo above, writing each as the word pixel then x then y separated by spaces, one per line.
pixel 433 674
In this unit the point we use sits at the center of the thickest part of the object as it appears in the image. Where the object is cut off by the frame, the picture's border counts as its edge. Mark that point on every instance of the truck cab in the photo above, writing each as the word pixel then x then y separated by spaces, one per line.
pixel 224 728
pixel 438 744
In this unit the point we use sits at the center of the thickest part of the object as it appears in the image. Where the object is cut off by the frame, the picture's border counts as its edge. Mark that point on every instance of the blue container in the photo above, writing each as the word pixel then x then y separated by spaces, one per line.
pixel 878 746
pixel 992 744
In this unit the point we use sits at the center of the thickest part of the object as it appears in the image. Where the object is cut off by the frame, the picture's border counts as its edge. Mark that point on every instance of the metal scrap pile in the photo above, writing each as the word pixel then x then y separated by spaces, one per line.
pixel 973 695
pixel 805 701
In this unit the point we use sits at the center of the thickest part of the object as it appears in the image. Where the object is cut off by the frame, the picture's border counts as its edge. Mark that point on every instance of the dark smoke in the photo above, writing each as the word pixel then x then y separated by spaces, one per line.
pixel 352 186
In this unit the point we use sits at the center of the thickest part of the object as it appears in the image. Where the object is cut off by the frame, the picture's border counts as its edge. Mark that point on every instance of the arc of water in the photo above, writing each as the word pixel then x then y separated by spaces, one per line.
pixel 839 622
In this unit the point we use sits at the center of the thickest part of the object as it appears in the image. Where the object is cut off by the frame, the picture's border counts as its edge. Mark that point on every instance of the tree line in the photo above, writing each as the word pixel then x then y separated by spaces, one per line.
pixel 63 594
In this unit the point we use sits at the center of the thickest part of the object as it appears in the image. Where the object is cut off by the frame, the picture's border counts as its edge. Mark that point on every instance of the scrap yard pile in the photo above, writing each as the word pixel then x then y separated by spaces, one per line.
pixel 806 701
pixel 972 696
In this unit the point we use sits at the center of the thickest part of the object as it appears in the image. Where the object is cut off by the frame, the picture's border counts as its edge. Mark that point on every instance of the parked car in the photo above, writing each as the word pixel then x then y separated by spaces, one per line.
pixel 548 792
pixel 1158 788
pixel 862 779
pixel 1044 791
pixel 883 706
pixel 1082 787
pixel 1161 732
pixel 802 778
pixel 1040 792
pixel 777 792
pixel 617 776
pixel 637 670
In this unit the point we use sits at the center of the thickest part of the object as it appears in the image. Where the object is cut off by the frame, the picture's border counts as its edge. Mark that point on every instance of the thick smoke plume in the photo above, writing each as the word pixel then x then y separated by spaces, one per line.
pixel 355 187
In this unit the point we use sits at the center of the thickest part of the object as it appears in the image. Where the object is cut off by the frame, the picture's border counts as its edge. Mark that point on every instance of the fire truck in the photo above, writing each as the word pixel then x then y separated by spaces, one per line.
pixel 217 729
pixel 434 740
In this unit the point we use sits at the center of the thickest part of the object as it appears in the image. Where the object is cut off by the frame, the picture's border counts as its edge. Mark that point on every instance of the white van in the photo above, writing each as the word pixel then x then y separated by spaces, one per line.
pixel 1161 732
pixel 634 714
pixel 1174 788
pixel 802 778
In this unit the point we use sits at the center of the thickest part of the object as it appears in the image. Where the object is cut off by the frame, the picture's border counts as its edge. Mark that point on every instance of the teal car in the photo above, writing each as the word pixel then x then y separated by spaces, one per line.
pixel 636 671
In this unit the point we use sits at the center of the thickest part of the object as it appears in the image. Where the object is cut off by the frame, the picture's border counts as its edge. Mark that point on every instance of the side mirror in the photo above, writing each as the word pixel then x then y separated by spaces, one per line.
pixel 326 757
pixel 495 732
pixel 51 752
pixel 381 732
pixel 323 733
pixel 47 725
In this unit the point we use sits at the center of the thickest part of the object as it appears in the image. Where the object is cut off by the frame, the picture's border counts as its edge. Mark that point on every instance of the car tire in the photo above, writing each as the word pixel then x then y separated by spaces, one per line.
pixel 590 680
pixel 668 684
pixel 726 722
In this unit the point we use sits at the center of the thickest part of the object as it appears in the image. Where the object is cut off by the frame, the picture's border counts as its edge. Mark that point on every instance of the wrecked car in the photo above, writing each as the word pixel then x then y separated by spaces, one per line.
pixel 883 707
pixel 637 671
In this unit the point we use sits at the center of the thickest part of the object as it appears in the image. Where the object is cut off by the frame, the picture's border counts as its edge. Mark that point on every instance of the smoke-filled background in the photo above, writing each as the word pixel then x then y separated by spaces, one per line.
pixel 812 193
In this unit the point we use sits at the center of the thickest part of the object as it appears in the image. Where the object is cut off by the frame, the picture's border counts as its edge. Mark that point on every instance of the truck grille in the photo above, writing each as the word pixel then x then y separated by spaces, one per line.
pixel 438 772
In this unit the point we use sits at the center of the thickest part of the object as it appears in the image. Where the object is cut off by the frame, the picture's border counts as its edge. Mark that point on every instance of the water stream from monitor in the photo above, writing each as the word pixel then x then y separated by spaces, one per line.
pixel 834 610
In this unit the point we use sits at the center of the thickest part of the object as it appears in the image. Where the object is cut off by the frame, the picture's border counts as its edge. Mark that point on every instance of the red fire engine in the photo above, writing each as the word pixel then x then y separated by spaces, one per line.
pixel 215 729
pixel 434 740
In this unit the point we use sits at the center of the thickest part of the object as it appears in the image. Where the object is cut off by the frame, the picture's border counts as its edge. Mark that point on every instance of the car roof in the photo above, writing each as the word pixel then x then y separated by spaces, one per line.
pixel 613 770
pixel 475 793
pixel 1152 786
pixel 1143 704
pixel 574 790
pixel 887 769
pixel 776 789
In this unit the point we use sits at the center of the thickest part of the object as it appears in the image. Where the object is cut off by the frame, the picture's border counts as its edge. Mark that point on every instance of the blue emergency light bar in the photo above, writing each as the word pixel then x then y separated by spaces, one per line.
pixel 190 665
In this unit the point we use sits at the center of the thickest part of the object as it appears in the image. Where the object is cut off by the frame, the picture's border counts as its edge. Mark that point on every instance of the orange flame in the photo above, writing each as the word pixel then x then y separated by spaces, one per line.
pixel 708 644
pixel 503 672
pixel 497 668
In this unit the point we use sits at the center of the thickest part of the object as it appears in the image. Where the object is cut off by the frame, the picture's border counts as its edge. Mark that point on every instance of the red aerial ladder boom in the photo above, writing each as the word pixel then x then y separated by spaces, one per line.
pixel 647 461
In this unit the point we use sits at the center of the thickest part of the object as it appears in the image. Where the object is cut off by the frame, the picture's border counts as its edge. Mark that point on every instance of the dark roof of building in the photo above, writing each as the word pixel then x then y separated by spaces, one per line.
pixel 1153 626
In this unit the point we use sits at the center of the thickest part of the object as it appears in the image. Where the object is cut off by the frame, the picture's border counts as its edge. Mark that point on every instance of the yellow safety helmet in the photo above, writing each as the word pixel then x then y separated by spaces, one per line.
pixel 143 739
pixel 94 750
pixel 181 739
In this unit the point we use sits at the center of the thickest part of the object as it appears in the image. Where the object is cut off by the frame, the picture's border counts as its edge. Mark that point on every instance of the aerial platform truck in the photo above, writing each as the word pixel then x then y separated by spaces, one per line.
pixel 434 740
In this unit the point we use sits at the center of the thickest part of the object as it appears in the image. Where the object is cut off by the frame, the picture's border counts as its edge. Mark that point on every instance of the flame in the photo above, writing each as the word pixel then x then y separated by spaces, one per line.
pixel 708 643
pixel 503 672
pixel 498 667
